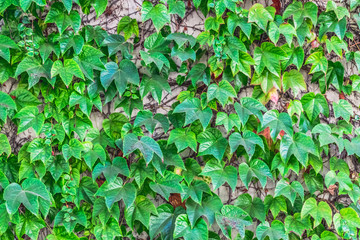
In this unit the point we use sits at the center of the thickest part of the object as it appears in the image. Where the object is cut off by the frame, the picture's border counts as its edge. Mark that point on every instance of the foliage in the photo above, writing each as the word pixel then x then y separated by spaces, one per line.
pixel 283 154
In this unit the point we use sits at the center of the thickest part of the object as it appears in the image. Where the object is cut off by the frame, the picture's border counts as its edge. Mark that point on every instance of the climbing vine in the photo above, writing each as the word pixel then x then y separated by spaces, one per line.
pixel 230 134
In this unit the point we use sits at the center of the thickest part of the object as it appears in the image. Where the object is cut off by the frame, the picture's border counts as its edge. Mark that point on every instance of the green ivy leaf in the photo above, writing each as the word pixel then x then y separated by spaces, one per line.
pixel 260 15
pixel 273 232
pixel 299 146
pixel 29 194
pixel 140 211
pixel 111 169
pixel 63 20
pixel 184 229
pixel 89 60
pixel 289 190
pixel 195 190
pixel 166 217
pixel 254 207
pixel 343 109
pixel 4 145
pixel 210 205
pixel 150 121
pixel 73 149
pixel 248 140
pixel 69 218
pixel 30 118
pixel 192 108
pixel 146 145
pixel 154 84
pixel 314 105
pixel 66 71
pixel 294 80
pixel 233 217
pixel 108 231
pixel 316 210
pixel 268 56
pixel 158 14
pixel 300 12
pixel 342 178
pixel 220 174
pixel 183 138
pixel 212 143
pixel 297 224
pixel 222 92
pixel 6 44
pixel 257 169
pixel 277 122
pixel 167 184
pixel 275 205
pixel 30 225
pixel 117 190
pixel 123 74
pixel 35 69
pixel 249 106
pixel 129 26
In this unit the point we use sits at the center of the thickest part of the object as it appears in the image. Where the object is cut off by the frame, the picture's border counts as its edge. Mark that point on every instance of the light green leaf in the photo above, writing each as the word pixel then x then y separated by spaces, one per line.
pixel 289 190
pixel 220 174
pixel 233 217
pixel 29 194
pixel 222 92
pixel 158 14
pixel 117 190
pixel 257 169
pixel 316 210
pixel 212 143
pixel 146 145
